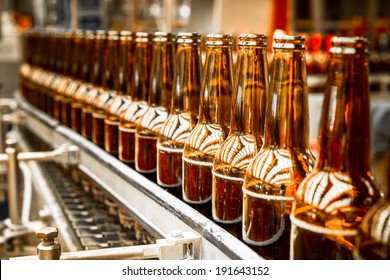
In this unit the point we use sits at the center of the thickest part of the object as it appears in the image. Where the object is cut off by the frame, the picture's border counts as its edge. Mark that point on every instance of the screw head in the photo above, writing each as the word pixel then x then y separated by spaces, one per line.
pixel 47 233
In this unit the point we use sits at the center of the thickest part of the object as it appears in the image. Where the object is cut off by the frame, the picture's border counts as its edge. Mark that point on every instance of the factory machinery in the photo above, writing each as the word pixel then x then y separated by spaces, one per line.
pixel 67 198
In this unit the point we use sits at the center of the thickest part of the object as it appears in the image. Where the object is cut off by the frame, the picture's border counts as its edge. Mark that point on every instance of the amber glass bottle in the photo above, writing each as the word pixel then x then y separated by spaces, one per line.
pixel 159 102
pixel 331 202
pixel 96 78
pixel 184 111
pixel 246 128
pixel 87 48
pixel 139 90
pixel 107 91
pixel 214 120
pixel 284 160
pixel 59 92
pixel 76 65
pixel 121 100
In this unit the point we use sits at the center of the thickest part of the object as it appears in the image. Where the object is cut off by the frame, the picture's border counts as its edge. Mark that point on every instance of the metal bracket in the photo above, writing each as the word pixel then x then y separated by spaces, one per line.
pixel 177 246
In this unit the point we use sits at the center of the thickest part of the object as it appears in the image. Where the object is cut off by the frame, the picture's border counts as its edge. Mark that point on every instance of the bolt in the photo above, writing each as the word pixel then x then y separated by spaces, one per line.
pixel 177 233
pixel 48 233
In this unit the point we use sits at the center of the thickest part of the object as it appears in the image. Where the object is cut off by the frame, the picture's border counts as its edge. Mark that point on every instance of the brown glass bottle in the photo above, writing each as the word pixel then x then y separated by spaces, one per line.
pixel 96 78
pixel 107 91
pixel 59 92
pixel 139 90
pixel 85 85
pixel 77 57
pixel 159 102
pixel 184 111
pixel 214 120
pixel 123 69
pixel 284 160
pixel 246 128
pixel 331 202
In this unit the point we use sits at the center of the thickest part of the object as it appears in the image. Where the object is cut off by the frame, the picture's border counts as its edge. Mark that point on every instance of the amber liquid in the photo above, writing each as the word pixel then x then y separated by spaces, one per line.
pixel 146 153
pixel 126 144
pixel 197 186
pixel 86 123
pixel 227 199
pixel 312 244
pixel 76 113
pixel 268 227
pixel 66 112
pixel 112 135
pixel 169 166
pixel 57 108
pixel 98 129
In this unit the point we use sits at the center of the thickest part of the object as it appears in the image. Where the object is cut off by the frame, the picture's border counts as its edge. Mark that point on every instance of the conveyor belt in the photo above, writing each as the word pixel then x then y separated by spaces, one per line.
pixel 97 221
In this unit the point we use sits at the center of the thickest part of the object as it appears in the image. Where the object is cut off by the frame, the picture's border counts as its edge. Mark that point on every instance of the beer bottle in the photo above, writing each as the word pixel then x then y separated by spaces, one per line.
pixel 85 84
pixel 214 120
pixel 333 199
pixel 246 129
pixel 96 67
pixel 159 102
pixel 75 75
pixel 59 91
pixel 107 90
pixel 184 111
pixel 284 160
pixel 120 101
pixel 139 89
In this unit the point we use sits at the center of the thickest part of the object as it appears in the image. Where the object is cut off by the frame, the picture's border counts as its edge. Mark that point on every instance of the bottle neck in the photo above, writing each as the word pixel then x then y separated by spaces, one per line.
pixel 67 61
pixel 187 83
pixel 97 62
pixel 217 87
pixel 111 65
pixel 141 72
pixel 345 133
pixel 126 59
pixel 287 119
pixel 161 76
pixel 250 95
pixel 76 58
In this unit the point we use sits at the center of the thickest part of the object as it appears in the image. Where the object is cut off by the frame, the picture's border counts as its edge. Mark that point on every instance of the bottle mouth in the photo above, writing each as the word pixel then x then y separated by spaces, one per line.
pixel 252 39
pixel 142 37
pixel 161 36
pixel 349 45
pixel 219 40
pixel 188 38
pixel 296 42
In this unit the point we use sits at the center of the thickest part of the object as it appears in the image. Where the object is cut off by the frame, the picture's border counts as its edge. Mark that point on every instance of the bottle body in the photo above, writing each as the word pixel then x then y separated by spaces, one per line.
pixel 331 202
pixel 122 68
pixel 284 160
pixel 214 120
pixel 246 129
pixel 139 90
pixel 184 112
pixel 159 102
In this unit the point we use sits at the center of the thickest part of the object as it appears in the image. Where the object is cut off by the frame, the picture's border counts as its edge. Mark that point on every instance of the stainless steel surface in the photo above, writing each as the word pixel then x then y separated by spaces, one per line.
pixel 177 246
pixel 13 186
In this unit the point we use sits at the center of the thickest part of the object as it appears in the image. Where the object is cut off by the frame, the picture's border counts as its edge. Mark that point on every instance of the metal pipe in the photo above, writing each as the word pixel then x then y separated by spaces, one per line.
pixel 140 252
pixel 13 188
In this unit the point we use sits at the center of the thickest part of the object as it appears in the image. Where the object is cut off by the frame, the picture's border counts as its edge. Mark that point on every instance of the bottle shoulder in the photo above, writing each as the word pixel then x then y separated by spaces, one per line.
pixel 177 127
pixel 204 140
pixel 335 199
pixel 153 119
pixel 237 150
